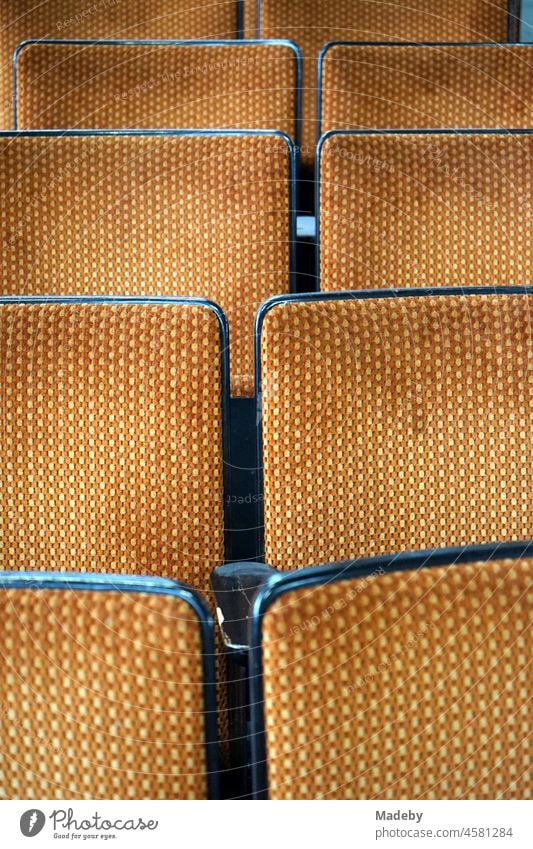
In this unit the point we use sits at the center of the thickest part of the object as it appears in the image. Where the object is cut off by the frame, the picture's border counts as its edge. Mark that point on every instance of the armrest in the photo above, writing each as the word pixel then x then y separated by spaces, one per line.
pixel 235 586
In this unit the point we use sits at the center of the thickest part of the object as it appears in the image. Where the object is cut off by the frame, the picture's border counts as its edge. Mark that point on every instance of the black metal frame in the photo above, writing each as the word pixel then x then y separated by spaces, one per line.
pixel 314 576
pixel 240 19
pixel 77 582
pixel 515 21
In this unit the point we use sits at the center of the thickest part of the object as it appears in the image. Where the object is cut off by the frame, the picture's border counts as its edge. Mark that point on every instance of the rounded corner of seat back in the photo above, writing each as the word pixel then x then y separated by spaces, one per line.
pixel 400 684
pixel 104 690
pixel 149 85
pixel 112 448
pixel 424 209
pixel 141 214
pixel 395 422
pixel 23 20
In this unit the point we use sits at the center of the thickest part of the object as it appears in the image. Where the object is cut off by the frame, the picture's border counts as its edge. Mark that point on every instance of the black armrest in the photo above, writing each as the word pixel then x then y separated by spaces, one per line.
pixel 235 586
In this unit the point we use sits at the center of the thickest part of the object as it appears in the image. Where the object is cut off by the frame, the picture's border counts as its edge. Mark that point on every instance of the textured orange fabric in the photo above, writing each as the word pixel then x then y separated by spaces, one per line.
pixel 412 685
pixel 312 23
pixel 426 210
pixel 249 19
pixel 395 424
pixel 111 450
pixel 143 215
pixel 105 19
pixel 97 85
pixel 365 86
pixel 101 695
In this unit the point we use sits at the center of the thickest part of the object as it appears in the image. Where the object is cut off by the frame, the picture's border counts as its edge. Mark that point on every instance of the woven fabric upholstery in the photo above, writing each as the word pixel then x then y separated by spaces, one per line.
pixel 365 86
pixel 395 424
pixel 410 685
pixel 313 24
pixel 102 696
pixel 249 18
pixel 111 455
pixel 426 210
pixel 141 215
pixel 21 20
pixel 182 85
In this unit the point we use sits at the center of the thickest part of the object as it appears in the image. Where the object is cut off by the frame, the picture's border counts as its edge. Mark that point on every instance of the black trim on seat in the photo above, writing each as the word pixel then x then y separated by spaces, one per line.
pixel 235 586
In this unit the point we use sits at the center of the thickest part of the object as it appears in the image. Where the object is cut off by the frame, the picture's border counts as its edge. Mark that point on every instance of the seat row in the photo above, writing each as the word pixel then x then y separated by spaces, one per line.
pixel 211 214
pixel 258 84
pixel 387 421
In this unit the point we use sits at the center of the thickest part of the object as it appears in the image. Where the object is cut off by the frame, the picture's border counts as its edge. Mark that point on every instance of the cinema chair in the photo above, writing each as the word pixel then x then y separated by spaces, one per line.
pixel 420 86
pixel 207 214
pixel 248 12
pixel 21 20
pixel 112 456
pixel 107 688
pixel 392 677
pixel 84 84
pixel 425 209
pixel 313 23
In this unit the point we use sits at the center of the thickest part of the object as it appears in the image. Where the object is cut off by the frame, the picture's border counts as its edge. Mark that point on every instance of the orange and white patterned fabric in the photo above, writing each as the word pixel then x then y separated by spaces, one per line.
pixel 395 424
pixel 314 23
pixel 426 209
pixel 111 458
pixel 94 85
pixel 21 20
pixel 102 696
pixel 365 86
pixel 249 18
pixel 187 214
